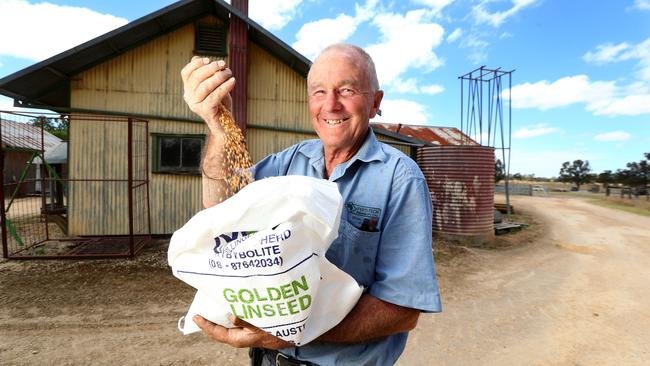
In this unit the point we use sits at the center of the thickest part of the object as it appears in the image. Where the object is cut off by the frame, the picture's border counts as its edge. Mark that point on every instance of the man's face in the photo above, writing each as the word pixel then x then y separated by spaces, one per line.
pixel 340 101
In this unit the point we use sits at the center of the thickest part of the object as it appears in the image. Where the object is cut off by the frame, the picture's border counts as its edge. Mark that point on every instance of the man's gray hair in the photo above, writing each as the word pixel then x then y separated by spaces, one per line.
pixel 357 53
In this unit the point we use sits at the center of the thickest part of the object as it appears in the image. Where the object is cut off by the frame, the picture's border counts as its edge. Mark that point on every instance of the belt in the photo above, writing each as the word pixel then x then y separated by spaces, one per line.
pixel 283 360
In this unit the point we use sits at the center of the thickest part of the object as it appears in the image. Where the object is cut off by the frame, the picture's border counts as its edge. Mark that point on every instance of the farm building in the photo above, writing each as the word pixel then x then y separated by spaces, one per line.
pixel 22 144
pixel 132 75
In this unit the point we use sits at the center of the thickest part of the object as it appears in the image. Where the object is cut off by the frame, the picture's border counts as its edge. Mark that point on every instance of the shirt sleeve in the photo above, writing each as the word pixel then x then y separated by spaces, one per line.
pixel 405 272
pixel 274 165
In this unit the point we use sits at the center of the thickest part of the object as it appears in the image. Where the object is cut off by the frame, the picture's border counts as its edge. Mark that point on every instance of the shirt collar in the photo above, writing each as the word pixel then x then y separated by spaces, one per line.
pixel 369 151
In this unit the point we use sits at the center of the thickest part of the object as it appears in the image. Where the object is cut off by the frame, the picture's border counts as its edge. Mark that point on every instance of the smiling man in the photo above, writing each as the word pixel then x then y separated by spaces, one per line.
pixel 384 239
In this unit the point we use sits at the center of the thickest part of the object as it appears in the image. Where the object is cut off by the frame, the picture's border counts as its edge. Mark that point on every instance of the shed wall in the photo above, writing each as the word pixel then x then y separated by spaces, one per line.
pixel 277 99
pixel 145 80
pixel 94 207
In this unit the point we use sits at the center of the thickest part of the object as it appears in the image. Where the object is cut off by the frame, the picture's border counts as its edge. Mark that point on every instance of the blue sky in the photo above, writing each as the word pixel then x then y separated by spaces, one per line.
pixel 581 89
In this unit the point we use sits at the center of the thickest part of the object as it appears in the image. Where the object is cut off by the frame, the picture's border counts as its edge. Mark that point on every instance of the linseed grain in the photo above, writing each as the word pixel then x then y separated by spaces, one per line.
pixel 237 161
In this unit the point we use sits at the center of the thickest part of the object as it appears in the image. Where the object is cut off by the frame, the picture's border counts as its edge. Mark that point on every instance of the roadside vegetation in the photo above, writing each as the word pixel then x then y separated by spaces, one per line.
pixel 639 206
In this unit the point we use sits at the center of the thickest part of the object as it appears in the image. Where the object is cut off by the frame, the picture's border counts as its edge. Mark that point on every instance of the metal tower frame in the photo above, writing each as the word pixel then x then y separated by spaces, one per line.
pixel 481 114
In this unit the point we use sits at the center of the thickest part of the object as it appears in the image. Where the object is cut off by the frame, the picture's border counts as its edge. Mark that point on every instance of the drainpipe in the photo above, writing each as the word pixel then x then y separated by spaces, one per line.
pixel 239 62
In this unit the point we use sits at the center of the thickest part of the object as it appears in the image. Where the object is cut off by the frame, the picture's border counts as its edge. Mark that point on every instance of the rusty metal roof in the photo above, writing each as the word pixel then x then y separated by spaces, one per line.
pixel 25 136
pixel 429 134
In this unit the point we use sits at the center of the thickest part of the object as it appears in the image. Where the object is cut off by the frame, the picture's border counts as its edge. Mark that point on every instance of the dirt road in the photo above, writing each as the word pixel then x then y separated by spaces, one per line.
pixel 580 295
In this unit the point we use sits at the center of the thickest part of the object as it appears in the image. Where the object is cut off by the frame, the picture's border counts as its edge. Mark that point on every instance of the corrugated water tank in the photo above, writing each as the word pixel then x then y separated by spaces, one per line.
pixel 461 182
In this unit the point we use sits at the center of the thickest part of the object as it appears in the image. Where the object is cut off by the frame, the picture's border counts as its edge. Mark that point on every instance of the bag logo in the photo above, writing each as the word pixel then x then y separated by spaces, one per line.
pixel 226 238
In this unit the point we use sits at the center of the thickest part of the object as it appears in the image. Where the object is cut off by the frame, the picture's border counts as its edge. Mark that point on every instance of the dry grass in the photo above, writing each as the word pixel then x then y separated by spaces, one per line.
pixel 640 206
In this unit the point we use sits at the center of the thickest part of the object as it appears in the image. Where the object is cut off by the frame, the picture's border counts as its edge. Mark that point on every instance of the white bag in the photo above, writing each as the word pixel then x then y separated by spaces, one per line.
pixel 260 255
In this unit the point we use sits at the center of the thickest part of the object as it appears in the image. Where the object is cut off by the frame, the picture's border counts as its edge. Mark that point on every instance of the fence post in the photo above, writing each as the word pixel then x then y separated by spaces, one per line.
pixel 130 185
pixel 42 172
pixel 5 253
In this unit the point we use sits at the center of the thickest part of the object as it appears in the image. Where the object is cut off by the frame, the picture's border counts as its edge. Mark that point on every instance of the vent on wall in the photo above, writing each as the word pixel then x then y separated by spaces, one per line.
pixel 210 40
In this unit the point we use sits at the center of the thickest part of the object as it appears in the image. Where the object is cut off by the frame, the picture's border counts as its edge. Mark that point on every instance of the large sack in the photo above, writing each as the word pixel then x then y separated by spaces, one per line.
pixel 260 255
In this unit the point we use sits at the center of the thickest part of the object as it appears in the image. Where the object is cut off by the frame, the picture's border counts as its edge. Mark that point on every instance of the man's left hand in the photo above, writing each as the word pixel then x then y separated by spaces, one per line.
pixel 242 335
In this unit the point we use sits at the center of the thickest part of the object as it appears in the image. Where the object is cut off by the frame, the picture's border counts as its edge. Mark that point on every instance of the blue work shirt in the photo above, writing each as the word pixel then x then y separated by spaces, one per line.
pixel 384 237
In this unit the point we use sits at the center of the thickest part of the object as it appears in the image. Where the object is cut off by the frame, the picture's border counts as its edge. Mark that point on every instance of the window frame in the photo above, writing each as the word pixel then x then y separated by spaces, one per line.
pixel 155 154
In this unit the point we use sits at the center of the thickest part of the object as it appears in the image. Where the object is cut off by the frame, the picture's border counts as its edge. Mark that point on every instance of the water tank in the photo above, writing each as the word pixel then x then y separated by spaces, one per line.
pixel 461 182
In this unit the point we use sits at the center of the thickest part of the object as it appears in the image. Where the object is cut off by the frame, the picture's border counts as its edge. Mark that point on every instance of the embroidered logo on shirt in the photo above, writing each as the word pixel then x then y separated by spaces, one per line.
pixel 363 217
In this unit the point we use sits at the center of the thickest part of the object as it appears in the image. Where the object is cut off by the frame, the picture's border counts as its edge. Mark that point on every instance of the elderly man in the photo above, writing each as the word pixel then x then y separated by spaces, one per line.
pixel 384 237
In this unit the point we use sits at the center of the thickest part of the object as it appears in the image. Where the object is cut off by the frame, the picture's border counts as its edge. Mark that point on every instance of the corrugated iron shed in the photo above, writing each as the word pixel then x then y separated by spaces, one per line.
pixel 429 134
pixel 25 136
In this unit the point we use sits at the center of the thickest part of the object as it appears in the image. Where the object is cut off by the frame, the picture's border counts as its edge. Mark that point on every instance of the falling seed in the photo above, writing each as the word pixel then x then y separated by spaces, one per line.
pixel 237 160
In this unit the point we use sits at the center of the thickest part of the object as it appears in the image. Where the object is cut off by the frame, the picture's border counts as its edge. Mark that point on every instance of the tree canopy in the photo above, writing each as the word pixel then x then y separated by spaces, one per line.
pixel 56 126
pixel 635 173
pixel 577 172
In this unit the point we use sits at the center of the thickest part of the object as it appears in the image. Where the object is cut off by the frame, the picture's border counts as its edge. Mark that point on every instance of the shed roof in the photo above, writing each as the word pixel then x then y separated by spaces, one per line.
pixel 47 83
pixel 25 136
pixel 428 134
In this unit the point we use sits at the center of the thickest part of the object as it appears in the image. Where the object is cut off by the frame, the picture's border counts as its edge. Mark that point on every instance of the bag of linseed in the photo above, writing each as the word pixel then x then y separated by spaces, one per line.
pixel 260 255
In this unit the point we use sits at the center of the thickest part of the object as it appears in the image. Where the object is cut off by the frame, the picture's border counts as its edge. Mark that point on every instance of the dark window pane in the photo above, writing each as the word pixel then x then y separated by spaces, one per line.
pixel 191 152
pixel 170 152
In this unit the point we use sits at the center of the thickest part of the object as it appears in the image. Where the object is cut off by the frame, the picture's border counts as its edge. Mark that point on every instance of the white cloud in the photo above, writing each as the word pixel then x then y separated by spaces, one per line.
pixel 399 50
pixel 451 38
pixel 314 36
pixel 432 89
pixel 405 86
pixel 273 14
pixel 366 11
pixel 505 35
pixel 565 91
pixel 38 31
pixel 481 15
pixel 631 105
pixel 606 53
pixel 599 97
pixel 642 4
pixel 410 86
pixel 435 6
pixel 477 48
pixel 539 129
pixel 617 136
pixel 402 111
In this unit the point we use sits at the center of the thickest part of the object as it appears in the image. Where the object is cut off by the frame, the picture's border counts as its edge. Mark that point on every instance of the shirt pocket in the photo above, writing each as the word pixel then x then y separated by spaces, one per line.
pixel 355 252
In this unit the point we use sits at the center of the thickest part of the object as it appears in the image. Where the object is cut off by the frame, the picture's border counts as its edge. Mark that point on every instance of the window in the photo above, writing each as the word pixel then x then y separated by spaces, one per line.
pixel 210 40
pixel 177 153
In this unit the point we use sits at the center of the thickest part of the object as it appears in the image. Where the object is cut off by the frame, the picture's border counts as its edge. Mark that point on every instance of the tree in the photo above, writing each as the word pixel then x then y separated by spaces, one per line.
pixel 56 126
pixel 606 177
pixel 637 173
pixel 499 171
pixel 576 172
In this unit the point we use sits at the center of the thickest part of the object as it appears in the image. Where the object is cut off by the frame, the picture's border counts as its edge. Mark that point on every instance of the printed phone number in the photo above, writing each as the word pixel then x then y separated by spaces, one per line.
pixel 252 263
